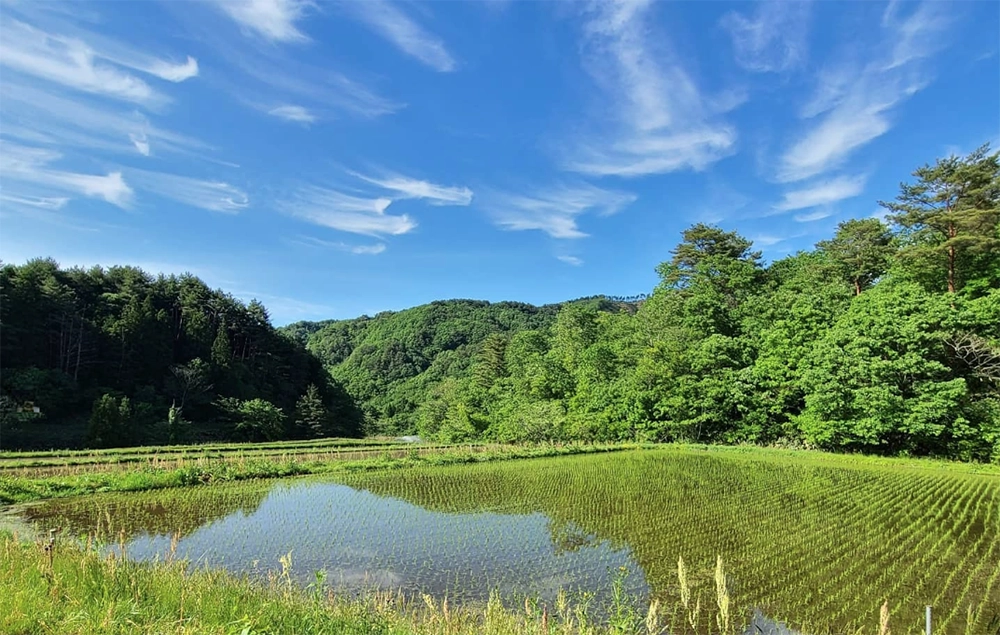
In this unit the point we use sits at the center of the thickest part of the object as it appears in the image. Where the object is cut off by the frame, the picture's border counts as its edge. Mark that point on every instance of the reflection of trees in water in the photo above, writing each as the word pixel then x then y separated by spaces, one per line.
pixel 168 512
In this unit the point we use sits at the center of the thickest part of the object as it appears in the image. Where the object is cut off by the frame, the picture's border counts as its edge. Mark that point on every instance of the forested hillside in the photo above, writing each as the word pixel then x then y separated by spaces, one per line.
pixel 884 338
pixel 393 362
pixel 118 357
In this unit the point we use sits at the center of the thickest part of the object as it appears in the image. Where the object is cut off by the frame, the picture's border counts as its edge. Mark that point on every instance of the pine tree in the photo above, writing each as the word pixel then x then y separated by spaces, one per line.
pixel 952 210
pixel 489 364
pixel 126 423
pixel 310 413
pixel 862 250
pixel 104 420
pixel 111 422
pixel 222 352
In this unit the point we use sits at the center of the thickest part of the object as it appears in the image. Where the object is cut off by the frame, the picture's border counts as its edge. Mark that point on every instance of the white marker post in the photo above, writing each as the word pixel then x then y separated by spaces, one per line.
pixel 928 620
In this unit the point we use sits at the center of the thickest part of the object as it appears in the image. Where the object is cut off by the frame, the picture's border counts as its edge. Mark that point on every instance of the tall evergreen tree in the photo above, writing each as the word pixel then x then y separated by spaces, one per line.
pixel 311 416
pixel 952 210
pixel 862 248
pixel 490 366
pixel 222 352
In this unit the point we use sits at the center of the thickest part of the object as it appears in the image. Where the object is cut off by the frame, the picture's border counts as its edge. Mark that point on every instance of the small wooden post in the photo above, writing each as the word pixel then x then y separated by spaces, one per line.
pixel 928 620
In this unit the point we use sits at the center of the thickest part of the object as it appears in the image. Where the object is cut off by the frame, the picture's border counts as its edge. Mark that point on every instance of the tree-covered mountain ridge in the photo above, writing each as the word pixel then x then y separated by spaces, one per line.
pixel 884 338
pixel 392 362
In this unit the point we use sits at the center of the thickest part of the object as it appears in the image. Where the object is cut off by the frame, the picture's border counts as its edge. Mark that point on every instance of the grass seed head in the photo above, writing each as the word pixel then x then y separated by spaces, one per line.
pixel 883 621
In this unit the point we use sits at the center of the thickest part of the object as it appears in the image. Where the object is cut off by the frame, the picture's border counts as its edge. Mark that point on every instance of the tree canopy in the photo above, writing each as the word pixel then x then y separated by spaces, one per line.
pixel 106 353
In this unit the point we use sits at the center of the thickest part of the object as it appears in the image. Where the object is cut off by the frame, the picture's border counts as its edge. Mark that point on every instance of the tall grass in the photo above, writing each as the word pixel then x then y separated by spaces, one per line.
pixel 68 588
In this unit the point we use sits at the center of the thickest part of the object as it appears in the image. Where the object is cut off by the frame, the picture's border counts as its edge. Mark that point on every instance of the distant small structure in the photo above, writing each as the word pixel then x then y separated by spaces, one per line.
pixel 29 407
pixel 413 439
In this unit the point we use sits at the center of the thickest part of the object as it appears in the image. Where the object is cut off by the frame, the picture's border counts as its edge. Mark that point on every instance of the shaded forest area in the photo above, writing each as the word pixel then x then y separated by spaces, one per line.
pixel 115 357
pixel 883 339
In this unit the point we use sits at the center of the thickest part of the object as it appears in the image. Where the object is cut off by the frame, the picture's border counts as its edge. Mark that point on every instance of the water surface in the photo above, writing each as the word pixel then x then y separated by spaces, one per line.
pixel 358 539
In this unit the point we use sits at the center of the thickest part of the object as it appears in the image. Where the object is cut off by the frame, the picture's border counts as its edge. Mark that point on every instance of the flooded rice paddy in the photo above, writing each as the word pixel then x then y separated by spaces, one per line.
pixel 811 541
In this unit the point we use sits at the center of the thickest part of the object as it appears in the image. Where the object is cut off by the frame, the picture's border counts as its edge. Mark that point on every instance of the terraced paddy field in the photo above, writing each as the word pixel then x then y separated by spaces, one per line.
pixel 70 462
pixel 817 541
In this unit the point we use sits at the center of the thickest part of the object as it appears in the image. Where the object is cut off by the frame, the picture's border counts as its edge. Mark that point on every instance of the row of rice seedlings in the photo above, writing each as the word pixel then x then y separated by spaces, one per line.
pixel 809 554
pixel 982 561
pixel 906 525
pixel 992 605
pixel 868 558
pixel 912 561
pixel 830 555
pixel 930 563
pixel 905 542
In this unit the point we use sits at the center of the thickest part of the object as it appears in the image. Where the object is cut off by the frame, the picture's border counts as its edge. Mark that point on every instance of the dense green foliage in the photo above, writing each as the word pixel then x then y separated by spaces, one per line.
pixel 126 347
pixel 394 362
pixel 882 339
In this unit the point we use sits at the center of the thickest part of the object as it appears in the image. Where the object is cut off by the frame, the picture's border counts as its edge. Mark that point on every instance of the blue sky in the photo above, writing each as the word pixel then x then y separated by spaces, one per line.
pixel 334 159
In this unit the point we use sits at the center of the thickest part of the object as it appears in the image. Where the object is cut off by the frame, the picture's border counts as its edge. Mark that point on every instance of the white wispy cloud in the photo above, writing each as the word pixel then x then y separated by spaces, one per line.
pixel 27 173
pixel 405 187
pixel 720 201
pixel 554 210
pixel 915 36
pixel 298 114
pixel 140 141
pixel 819 214
pixel 389 21
pixel 273 20
pixel 344 212
pixel 662 122
pixel 570 260
pixel 64 120
pixel 774 39
pixel 856 101
pixel 823 193
pixel 73 63
pixel 276 76
pixel 267 77
pixel 284 310
pixel 215 196
pixel 48 203
pixel 368 250
pixel 172 72
pixel 768 240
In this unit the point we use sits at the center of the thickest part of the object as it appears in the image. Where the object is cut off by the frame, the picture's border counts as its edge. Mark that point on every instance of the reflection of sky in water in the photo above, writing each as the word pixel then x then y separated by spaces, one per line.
pixel 359 538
